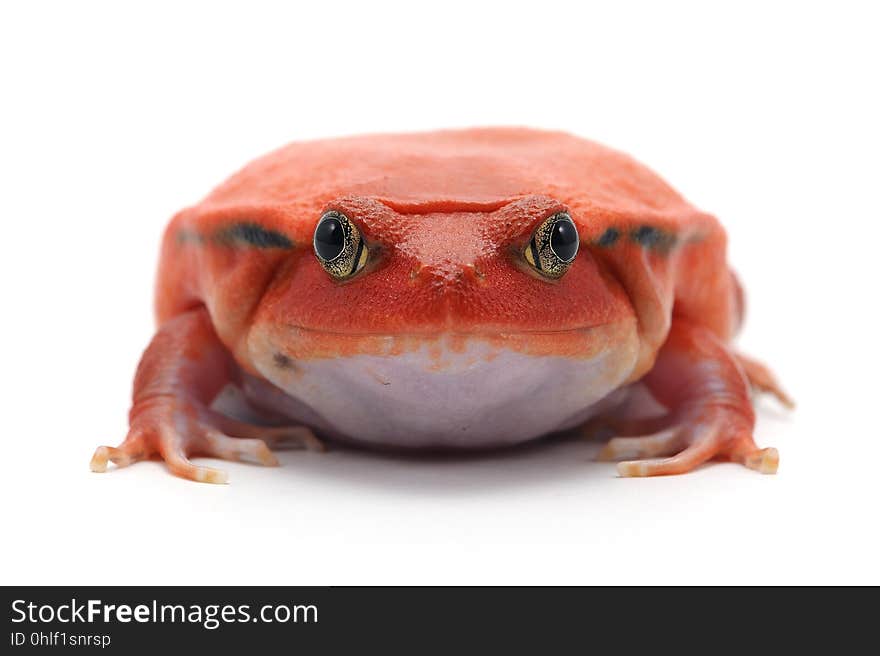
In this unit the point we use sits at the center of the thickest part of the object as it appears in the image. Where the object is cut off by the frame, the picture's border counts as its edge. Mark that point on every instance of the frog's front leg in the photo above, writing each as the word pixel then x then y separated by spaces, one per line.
pixel 180 374
pixel 710 415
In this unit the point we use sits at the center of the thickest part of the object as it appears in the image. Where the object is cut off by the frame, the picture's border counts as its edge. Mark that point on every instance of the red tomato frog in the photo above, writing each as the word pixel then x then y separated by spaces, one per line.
pixel 463 289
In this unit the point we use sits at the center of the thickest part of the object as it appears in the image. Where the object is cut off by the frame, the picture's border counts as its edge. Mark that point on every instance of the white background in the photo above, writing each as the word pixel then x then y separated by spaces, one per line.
pixel 113 118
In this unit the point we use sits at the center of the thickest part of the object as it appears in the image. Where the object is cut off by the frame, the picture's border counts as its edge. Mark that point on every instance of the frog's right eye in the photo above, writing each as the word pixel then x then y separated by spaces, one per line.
pixel 339 246
pixel 554 246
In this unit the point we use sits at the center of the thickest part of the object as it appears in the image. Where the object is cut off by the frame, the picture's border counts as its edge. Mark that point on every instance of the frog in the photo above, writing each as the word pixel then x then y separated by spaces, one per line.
pixel 454 290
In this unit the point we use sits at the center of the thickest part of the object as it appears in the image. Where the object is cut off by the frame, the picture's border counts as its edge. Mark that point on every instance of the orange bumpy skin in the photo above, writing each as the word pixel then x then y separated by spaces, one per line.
pixel 448 326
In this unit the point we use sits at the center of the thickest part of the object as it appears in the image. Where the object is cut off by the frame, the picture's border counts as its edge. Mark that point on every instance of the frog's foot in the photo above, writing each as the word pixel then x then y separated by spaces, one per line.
pixel 716 432
pixel 177 432
pixel 698 379
pixel 762 379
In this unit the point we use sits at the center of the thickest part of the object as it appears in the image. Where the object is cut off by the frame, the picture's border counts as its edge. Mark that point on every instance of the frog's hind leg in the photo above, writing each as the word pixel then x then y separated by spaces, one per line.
pixel 685 449
pixel 710 413
pixel 762 379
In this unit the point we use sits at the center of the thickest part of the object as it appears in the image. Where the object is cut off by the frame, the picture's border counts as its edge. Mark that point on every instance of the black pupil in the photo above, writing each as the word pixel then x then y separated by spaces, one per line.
pixel 564 240
pixel 329 238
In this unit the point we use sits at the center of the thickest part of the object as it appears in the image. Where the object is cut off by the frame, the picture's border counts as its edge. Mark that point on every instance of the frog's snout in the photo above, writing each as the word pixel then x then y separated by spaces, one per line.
pixel 450 276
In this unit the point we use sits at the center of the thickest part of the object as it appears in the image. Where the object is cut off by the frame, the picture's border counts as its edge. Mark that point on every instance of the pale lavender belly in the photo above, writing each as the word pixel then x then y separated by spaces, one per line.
pixel 473 397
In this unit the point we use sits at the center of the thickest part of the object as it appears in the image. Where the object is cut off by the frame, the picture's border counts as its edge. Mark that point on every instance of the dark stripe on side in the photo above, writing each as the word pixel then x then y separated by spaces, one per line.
pixel 253 235
pixel 608 238
pixel 653 238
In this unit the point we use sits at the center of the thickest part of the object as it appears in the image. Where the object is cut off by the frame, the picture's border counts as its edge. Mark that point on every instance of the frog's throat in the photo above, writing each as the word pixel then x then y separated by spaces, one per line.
pixel 448 390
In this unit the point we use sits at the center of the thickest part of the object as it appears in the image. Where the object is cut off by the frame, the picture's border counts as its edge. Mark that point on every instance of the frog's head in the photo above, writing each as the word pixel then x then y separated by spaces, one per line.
pixel 466 288
pixel 467 309
pixel 384 276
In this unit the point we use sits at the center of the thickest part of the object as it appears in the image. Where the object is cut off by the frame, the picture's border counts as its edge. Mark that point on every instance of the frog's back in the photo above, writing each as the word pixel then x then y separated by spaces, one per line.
pixel 479 169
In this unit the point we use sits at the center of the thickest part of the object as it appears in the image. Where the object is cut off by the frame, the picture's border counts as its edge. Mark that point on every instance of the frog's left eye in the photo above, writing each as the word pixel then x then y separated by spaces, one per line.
pixel 339 246
pixel 553 246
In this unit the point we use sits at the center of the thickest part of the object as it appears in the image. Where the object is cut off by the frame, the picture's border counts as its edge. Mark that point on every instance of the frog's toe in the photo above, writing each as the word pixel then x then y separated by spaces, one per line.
pixel 301 437
pixel 762 379
pixel 176 457
pixel 203 439
pixel 130 451
pixel 681 463
pixel 178 432
pixel 765 461
pixel 714 434
pixel 245 449
pixel 291 437
pixel 176 448
pixel 645 446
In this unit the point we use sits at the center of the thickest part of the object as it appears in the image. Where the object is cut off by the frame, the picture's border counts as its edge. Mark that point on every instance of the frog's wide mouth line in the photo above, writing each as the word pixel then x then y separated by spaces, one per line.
pixel 439 333
pixel 295 343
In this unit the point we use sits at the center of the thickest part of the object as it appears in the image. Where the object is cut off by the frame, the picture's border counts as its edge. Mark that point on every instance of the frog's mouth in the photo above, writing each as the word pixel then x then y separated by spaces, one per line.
pixel 299 343
pixel 443 390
